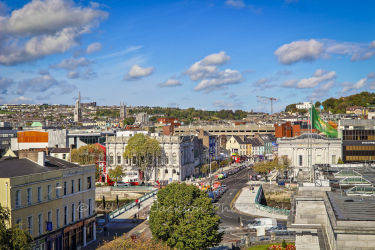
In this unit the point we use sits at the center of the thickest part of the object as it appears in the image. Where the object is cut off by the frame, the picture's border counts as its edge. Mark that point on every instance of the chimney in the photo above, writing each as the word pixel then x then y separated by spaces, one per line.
pixel 47 152
pixel 41 158
pixel 57 145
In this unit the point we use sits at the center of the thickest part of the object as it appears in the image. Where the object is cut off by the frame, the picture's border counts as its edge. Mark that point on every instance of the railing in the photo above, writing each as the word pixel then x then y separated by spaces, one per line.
pixel 130 205
pixel 132 188
pixel 268 209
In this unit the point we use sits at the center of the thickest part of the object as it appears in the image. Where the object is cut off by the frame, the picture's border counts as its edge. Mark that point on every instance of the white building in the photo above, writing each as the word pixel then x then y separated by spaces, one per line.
pixel 175 164
pixel 305 105
pixel 324 150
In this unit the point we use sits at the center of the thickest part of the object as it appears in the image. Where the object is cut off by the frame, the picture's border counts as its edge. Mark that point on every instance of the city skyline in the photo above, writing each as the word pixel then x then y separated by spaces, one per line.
pixel 202 54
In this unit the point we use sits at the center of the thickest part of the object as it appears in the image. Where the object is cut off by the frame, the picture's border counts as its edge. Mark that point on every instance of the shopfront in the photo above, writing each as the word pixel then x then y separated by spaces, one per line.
pixel 90 229
pixel 54 241
pixel 73 236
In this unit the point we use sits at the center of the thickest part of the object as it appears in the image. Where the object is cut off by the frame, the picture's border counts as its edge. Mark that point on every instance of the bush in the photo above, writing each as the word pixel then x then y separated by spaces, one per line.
pixel 138 243
pixel 283 244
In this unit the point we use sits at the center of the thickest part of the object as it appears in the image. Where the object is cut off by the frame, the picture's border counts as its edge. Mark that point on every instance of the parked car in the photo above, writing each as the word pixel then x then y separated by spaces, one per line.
pixel 265 223
pixel 212 196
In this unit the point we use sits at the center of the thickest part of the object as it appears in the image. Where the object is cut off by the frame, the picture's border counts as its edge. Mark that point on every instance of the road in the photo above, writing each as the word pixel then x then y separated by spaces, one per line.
pixel 228 217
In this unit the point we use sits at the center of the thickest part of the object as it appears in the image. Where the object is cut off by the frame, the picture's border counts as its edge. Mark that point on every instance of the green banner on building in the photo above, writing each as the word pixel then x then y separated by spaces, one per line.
pixel 321 125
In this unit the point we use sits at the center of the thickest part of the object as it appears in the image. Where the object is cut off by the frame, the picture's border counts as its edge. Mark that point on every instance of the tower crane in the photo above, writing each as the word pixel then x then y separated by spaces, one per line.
pixel 270 98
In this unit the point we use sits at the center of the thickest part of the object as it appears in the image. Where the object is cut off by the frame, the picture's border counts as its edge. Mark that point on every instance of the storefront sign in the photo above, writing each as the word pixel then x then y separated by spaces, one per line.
pixel 89 220
pixel 49 226
pixel 79 224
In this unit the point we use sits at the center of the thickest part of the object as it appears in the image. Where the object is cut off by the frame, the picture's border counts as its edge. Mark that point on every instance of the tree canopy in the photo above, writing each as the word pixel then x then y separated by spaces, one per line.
pixel 144 150
pixel 88 154
pixel 279 163
pixel 15 237
pixel 141 243
pixel 116 174
pixel 184 218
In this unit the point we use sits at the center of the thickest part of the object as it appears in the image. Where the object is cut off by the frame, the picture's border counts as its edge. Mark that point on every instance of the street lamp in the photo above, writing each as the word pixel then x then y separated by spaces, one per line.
pixel 59 187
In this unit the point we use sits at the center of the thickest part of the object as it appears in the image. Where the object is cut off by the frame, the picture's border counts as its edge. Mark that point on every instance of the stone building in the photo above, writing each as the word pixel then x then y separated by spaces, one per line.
pixel 77 109
pixel 122 111
pixel 175 164
pixel 324 150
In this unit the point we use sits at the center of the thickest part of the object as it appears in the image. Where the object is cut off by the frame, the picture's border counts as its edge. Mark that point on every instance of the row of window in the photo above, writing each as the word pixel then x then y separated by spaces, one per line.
pixel 317 160
pixel 80 209
pixel 359 148
pixel 57 188
pixel 359 158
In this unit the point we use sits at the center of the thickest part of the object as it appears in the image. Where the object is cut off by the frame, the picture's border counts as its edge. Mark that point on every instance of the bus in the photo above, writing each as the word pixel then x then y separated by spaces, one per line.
pixel 131 177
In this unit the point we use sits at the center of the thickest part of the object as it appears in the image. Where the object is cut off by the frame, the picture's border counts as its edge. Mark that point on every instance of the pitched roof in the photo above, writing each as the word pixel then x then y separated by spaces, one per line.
pixel 238 139
pixel 60 150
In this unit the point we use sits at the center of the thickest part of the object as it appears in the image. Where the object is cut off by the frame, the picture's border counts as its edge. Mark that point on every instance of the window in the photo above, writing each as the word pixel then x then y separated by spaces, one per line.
pixel 30 225
pixel 334 159
pixel 39 194
pixel 19 223
pixel 29 198
pixel 318 159
pixel 64 156
pixel 89 182
pixel 57 217
pixel 111 159
pixel 18 198
pixel 73 214
pixel 49 191
pixel 57 190
pixel 166 159
pixel 65 187
pixel 174 159
pixel 89 211
pixel 80 210
pixel 300 160
pixel 119 159
pixel 49 216
pixel 79 184
pixel 66 215
pixel 40 224
pixel 72 186
pixel 158 172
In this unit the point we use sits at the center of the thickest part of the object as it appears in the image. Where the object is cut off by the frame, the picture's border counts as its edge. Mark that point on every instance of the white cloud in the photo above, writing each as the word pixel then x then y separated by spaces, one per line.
pixel 319 77
pixel 299 51
pixel 170 83
pixel 289 83
pixel 87 74
pixel 94 47
pixel 207 67
pixel 72 63
pixel 371 75
pixel 372 45
pixel 136 72
pixel 42 84
pixel 322 91
pixel 222 104
pixel 223 78
pixel 47 27
pixel 122 52
pixel 350 86
pixel 21 100
pixel 235 3
pixel 5 83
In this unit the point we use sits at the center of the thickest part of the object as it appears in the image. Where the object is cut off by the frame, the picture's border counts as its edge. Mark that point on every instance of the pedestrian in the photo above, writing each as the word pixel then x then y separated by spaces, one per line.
pixel 105 231
pixel 135 218
pixel 138 217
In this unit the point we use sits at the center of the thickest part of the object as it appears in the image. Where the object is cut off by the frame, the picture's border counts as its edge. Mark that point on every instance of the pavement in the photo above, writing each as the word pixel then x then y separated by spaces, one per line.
pixel 245 204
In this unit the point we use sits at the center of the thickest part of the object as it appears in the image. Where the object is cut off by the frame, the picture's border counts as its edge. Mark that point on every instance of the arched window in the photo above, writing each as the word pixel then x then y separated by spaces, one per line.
pixel 166 171
pixel 174 171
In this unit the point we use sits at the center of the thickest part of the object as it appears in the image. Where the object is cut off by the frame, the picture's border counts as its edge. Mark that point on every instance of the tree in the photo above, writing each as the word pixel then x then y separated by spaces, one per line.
pixel 290 107
pixel 15 237
pixel 184 218
pixel 263 167
pixel 129 121
pixel 145 150
pixel 88 154
pixel 317 104
pixel 116 174
pixel 339 161
pixel 141 243
pixel 224 163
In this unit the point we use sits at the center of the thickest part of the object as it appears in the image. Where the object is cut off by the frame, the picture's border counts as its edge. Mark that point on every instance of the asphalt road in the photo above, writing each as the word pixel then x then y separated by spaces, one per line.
pixel 235 183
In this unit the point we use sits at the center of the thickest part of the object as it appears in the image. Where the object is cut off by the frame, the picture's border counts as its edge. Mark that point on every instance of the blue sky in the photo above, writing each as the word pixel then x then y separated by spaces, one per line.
pixel 207 54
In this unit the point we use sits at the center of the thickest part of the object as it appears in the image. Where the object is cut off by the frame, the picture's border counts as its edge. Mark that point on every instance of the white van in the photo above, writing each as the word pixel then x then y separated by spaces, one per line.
pixel 265 223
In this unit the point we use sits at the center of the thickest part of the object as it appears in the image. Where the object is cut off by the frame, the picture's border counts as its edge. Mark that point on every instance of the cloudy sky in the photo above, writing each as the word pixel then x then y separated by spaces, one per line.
pixel 207 54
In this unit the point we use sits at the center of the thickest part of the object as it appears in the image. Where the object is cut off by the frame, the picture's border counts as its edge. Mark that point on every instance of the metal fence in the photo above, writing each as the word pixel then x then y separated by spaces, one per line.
pixel 130 205
pixel 132 188
pixel 267 208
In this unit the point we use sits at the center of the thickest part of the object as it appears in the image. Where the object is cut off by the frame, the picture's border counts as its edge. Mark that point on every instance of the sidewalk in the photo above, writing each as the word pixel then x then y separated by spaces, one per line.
pixel 245 203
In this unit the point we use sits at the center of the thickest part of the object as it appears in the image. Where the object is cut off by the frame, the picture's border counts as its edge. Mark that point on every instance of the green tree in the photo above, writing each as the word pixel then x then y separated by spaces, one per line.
pixel 116 174
pixel 88 154
pixel 184 218
pixel 317 104
pixel 129 121
pixel 144 150
pixel 224 163
pixel 290 107
pixel 15 237
pixel 339 161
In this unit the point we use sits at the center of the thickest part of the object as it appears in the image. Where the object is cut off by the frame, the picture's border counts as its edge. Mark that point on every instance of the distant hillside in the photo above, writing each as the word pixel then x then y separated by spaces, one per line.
pixel 339 105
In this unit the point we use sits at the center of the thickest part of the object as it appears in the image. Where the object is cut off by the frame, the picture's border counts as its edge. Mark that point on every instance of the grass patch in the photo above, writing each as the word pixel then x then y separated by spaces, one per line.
pixel 264 247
